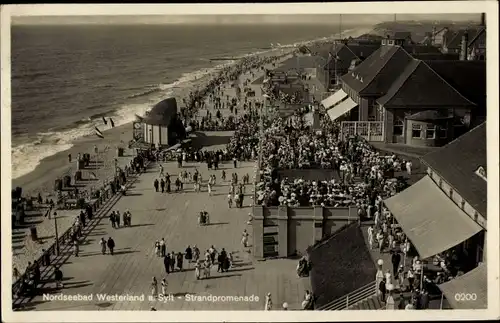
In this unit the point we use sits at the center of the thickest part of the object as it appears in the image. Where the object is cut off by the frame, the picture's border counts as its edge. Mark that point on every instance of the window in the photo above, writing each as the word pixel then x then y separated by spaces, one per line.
pixel 451 193
pixel 397 128
pixel 481 172
pixel 416 131
pixel 441 183
pixel 442 132
pixel 462 204
pixel 430 131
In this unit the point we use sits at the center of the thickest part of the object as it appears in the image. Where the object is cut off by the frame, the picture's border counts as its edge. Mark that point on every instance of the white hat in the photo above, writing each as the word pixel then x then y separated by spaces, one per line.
pixel 380 262
pixel 285 305
pixel 390 287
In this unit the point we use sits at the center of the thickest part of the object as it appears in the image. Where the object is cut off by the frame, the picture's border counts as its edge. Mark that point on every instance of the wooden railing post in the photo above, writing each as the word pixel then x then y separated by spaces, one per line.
pixel 347 302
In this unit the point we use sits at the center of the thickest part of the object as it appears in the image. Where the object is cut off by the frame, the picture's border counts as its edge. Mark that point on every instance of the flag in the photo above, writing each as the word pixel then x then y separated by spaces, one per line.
pixel 104 120
pixel 112 123
pixel 98 133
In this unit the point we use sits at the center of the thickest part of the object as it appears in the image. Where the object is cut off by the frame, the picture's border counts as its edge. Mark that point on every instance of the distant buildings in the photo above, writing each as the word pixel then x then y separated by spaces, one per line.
pixel 418 102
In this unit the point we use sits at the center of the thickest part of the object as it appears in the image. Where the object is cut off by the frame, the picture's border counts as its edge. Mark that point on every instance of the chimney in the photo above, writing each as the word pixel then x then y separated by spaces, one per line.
pixel 483 20
pixel 463 47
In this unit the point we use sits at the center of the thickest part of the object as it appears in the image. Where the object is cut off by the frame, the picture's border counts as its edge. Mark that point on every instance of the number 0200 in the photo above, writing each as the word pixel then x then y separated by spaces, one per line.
pixel 464 297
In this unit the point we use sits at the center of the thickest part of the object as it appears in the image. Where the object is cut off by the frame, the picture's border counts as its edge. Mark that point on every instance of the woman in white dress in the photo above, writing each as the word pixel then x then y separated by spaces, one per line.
pixel 269 303
pixel 164 285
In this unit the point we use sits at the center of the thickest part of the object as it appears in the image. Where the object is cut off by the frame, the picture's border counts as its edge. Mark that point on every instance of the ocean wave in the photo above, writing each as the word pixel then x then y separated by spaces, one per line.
pixel 27 156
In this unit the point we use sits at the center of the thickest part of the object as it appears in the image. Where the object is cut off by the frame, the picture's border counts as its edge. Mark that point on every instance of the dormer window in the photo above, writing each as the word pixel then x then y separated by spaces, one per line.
pixel 361 79
pixel 353 75
pixel 481 172
pixel 357 77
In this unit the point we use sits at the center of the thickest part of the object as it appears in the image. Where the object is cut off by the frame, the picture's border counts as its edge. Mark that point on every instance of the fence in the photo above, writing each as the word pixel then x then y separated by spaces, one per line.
pixel 96 204
pixel 369 130
pixel 351 299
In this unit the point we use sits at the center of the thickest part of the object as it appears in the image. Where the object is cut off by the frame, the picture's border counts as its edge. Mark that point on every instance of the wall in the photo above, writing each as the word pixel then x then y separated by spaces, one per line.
pixel 423 141
pixel 298 227
pixel 457 199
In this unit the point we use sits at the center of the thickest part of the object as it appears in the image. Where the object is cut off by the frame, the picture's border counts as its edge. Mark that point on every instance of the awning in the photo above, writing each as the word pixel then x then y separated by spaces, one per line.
pixel 469 291
pixel 432 222
pixel 341 108
pixel 334 99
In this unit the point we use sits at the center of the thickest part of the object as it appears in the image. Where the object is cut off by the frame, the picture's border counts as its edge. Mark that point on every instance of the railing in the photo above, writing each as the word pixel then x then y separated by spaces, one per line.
pixel 351 299
pixel 370 130
pixel 104 197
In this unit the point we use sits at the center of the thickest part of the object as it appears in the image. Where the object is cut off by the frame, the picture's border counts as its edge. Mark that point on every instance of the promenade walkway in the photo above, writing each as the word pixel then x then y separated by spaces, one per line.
pixel 174 217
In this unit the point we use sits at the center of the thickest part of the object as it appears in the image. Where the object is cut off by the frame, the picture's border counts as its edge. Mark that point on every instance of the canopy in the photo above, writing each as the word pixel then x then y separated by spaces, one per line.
pixel 469 291
pixel 432 222
pixel 334 99
pixel 343 107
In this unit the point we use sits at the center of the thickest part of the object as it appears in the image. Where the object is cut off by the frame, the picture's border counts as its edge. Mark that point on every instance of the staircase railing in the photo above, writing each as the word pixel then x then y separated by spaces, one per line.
pixel 351 298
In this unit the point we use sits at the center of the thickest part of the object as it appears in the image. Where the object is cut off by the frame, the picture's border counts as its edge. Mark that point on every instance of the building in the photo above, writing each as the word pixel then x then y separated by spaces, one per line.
pixel 447 210
pixel 346 56
pixel 395 98
pixel 162 128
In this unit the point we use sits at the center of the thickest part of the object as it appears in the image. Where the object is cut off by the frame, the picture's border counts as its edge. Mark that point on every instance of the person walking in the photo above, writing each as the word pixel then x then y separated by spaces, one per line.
pixel 154 287
pixel 156 184
pixel 157 248
pixel 111 245
pixel 244 239
pixel 76 248
pixel 172 262
pixel 117 218
pixel 197 268
pixel 164 285
pixel 163 247
pixel 382 290
pixel 370 237
pixel 180 260
pixel 196 253
pixel 269 303
pixel 166 263
pixel 112 220
pixel 162 185
pixel 188 255
pixel 103 246
pixel 395 259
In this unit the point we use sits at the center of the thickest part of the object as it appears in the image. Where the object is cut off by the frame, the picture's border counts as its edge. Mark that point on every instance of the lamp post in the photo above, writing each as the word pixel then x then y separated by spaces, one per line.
pixel 57 234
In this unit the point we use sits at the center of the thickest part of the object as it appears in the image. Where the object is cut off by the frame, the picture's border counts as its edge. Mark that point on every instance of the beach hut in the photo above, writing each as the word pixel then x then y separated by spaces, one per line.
pixel 161 124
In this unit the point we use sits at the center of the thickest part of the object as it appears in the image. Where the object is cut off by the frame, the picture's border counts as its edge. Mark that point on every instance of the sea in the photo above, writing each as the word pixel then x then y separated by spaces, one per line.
pixel 65 78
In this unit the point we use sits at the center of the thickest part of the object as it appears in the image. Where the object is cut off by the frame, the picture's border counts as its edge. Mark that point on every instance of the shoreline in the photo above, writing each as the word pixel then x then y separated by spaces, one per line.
pixel 57 165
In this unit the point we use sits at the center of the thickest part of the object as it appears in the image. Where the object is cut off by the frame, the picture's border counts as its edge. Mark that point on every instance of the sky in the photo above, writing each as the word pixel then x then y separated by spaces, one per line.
pixel 240 19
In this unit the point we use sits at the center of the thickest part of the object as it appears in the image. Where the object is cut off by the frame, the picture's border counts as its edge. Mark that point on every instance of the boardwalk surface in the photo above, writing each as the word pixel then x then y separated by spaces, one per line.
pixel 174 217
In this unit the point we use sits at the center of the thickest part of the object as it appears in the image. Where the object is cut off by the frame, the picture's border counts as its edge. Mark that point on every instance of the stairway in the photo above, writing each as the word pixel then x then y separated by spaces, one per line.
pixel 370 303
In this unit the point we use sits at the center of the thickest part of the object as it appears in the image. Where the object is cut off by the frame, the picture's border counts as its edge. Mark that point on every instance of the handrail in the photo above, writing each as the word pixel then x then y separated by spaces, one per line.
pixel 63 238
pixel 350 299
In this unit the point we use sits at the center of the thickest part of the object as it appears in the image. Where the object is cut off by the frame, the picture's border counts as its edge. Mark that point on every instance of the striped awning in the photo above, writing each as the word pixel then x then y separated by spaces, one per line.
pixel 469 291
pixel 341 108
pixel 432 222
pixel 334 99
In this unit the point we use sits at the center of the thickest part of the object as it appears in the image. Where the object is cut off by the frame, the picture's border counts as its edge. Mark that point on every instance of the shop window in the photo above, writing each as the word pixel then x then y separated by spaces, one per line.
pixel 416 131
pixel 442 132
pixel 397 128
pixel 430 131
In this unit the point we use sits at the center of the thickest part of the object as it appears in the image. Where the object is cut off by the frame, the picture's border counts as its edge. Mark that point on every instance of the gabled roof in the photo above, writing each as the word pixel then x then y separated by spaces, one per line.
pixel 455 40
pixel 479 36
pixel 437 56
pixel 457 162
pixel 345 53
pixel 375 74
pixel 312 61
pixel 340 265
pixel 468 77
pixel 431 115
pixel 420 86
pixel 162 113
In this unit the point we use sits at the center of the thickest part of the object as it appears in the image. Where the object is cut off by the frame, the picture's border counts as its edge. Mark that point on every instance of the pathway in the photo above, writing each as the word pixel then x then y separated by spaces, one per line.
pixel 174 217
